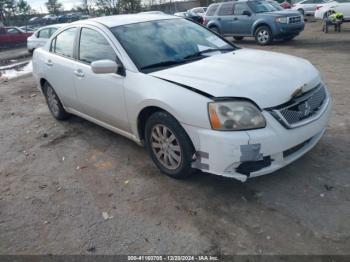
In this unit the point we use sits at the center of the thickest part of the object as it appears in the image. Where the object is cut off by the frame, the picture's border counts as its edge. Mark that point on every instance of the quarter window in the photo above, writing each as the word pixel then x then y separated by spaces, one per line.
pixel 63 44
pixel 226 9
pixel 94 46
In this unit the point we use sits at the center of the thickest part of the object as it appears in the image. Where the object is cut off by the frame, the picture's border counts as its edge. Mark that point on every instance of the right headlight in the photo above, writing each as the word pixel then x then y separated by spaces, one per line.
pixel 282 20
pixel 235 115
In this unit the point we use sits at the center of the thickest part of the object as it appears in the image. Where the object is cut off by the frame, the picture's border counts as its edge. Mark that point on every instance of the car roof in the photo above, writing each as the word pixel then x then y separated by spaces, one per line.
pixel 117 20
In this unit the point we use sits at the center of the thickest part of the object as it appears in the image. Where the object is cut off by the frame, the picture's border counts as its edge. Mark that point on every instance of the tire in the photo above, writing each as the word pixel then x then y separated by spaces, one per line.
pixel 301 11
pixel 54 103
pixel 238 38
pixel 263 35
pixel 215 29
pixel 160 128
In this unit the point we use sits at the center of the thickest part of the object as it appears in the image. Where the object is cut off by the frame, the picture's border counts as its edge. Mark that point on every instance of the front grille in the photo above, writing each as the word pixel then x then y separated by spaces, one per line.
pixel 301 109
pixel 294 19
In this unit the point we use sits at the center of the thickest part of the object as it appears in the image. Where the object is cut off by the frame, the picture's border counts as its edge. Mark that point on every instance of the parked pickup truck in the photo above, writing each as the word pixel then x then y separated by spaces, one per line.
pixel 10 36
pixel 259 19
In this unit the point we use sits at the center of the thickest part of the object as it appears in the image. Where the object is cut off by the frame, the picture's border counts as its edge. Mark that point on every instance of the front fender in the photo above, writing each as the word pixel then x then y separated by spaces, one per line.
pixel 143 90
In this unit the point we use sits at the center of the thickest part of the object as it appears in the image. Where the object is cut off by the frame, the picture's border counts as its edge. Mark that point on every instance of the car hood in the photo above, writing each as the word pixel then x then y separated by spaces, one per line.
pixel 282 13
pixel 267 78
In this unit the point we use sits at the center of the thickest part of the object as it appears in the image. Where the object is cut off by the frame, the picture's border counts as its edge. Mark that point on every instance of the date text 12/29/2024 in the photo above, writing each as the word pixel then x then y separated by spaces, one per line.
pixel 173 258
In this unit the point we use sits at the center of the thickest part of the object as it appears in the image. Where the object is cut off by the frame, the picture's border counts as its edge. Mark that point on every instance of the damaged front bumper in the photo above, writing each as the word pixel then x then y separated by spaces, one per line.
pixel 245 154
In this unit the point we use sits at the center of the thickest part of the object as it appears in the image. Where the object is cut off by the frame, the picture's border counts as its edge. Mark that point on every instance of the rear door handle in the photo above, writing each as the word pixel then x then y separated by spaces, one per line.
pixel 49 62
pixel 79 73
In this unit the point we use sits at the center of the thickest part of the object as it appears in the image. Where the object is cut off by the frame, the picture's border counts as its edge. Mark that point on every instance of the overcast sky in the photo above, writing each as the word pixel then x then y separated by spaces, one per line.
pixel 39 5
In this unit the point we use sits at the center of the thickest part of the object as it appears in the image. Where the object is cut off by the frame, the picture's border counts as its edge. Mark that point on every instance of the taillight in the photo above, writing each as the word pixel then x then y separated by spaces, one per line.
pixel 318 7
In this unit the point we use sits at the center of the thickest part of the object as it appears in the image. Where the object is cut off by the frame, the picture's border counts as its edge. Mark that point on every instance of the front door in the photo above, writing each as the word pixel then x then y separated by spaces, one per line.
pixel 100 96
pixel 242 23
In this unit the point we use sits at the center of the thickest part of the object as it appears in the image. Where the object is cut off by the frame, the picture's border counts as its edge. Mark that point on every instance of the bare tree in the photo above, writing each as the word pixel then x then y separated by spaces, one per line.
pixel 53 6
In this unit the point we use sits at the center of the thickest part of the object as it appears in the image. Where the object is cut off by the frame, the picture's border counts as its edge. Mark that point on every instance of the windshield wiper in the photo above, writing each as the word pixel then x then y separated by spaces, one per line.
pixel 164 63
pixel 200 53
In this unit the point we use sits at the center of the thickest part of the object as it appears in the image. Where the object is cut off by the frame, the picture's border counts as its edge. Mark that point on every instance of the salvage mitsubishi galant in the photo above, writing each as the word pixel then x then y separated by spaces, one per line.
pixel 191 97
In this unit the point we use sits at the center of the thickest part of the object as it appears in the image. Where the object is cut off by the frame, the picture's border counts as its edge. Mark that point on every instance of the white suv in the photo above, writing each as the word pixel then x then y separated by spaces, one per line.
pixel 192 98
pixel 341 6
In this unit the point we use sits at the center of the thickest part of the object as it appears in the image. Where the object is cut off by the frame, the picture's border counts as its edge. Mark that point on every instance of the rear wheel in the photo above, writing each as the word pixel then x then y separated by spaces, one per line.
pixel 54 103
pixel 168 145
pixel 215 29
pixel 263 35
pixel 238 38
pixel 301 11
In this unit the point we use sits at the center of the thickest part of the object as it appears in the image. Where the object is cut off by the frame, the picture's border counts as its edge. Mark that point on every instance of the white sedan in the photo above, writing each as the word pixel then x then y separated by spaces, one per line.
pixel 341 6
pixel 192 98
pixel 40 36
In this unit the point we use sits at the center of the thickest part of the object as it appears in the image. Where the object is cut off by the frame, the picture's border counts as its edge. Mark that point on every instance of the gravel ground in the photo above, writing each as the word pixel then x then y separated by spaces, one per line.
pixel 57 179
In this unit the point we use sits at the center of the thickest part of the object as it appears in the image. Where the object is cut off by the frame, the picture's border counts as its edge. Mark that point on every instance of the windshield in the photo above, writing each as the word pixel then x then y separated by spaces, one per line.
pixel 261 6
pixel 167 42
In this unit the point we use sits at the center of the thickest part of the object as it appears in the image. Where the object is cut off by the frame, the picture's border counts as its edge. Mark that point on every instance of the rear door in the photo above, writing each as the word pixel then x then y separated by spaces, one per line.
pixel 225 18
pixel 242 23
pixel 59 66
pixel 42 37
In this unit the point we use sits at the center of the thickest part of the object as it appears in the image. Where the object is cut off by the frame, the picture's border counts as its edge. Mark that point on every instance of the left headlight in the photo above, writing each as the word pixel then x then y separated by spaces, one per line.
pixel 282 20
pixel 235 115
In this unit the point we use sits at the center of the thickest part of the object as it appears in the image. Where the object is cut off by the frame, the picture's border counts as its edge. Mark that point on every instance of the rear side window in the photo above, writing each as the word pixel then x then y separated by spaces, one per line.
pixel 63 44
pixel 226 9
pixel 45 33
pixel 94 46
pixel 211 10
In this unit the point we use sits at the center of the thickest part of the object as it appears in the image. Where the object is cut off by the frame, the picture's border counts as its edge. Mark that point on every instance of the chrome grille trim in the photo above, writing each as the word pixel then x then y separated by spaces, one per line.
pixel 317 99
pixel 294 19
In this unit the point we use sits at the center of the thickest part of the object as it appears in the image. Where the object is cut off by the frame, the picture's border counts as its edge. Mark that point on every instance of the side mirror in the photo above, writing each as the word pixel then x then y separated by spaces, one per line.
pixel 104 67
pixel 245 12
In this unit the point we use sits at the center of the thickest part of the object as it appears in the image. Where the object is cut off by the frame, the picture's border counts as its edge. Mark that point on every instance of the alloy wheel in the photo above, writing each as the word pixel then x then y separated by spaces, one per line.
pixel 52 101
pixel 166 147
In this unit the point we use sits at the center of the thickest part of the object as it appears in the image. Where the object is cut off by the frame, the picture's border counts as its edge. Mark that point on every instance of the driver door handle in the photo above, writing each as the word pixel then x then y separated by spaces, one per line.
pixel 49 62
pixel 235 18
pixel 79 73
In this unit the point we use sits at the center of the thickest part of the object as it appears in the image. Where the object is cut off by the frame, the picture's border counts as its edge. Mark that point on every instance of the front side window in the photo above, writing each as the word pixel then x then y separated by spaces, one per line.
pixel 261 6
pixel 167 42
pixel 64 42
pixel 240 8
pixel 45 33
pixel 226 9
pixel 94 46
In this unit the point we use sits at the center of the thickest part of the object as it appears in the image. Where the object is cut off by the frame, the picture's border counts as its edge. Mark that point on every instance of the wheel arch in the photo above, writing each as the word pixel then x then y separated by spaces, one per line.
pixel 260 24
pixel 147 111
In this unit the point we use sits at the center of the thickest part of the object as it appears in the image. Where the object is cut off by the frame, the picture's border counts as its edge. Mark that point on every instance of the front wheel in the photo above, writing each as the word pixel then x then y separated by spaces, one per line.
pixel 168 145
pixel 215 29
pixel 263 35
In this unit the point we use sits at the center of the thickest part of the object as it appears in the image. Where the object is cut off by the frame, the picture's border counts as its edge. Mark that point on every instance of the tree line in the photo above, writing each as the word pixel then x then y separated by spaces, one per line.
pixel 21 10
